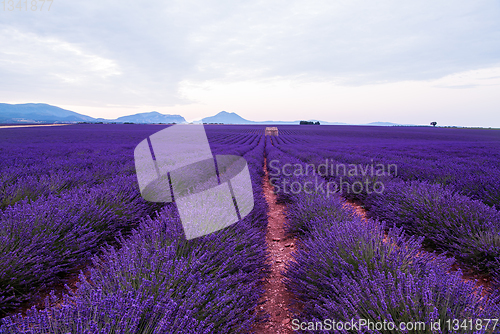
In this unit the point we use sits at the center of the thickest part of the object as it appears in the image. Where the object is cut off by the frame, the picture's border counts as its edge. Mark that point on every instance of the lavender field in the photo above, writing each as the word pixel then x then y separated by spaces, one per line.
pixel 393 225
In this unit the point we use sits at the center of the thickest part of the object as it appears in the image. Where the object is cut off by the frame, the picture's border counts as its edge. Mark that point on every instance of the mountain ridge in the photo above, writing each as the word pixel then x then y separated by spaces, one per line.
pixel 39 113
pixel 46 113
pixel 225 117
pixel 147 118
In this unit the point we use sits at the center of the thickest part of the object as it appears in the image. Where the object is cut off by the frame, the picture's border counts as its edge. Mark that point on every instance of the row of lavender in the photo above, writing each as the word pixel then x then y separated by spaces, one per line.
pixel 466 160
pixel 38 162
pixel 156 281
pixel 443 189
pixel 64 192
pixel 47 237
pixel 349 270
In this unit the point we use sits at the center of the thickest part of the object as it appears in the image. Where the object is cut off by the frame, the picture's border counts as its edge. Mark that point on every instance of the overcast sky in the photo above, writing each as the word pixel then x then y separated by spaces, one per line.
pixel 408 62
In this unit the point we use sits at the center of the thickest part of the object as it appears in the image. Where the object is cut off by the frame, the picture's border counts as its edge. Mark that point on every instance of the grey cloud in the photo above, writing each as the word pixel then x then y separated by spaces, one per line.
pixel 155 44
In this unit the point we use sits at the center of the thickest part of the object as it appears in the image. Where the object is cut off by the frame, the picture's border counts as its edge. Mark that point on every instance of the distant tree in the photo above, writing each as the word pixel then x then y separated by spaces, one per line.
pixel 434 123
pixel 317 123
pixel 308 123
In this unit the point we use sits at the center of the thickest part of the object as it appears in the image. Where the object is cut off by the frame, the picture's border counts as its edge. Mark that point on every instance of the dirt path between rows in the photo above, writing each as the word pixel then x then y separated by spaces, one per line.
pixel 280 247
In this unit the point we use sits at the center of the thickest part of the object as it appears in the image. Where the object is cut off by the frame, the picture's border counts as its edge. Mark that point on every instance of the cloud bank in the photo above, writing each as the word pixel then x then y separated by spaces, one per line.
pixel 131 53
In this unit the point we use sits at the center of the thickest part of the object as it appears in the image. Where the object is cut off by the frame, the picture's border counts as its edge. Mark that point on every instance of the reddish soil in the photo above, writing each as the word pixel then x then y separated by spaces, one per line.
pixel 280 247
pixel 360 211
pixel 38 300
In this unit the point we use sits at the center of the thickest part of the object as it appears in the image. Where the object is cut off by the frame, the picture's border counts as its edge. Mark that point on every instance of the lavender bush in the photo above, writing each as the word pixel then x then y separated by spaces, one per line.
pixel 467 228
pixel 210 283
pixel 349 268
pixel 156 281
pixel 53 235
pixel 65 191
pixel 465 159
pixel 464 162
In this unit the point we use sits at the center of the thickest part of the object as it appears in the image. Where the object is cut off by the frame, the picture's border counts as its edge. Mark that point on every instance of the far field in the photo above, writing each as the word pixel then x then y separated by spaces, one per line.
pixel 355 229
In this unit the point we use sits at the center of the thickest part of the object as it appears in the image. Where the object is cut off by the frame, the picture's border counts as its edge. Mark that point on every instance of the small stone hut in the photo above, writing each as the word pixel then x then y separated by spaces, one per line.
pixel 271 131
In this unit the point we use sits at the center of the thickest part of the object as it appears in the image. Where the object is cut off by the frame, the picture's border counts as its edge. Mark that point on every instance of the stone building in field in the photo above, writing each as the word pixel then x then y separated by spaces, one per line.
pixel 271 131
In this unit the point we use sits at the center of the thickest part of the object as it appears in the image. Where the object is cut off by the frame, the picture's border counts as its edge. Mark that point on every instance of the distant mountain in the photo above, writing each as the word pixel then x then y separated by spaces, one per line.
pixel 382 124
pixel 39 113
pixel 227 118
pixel 147 117
pixel 45 113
